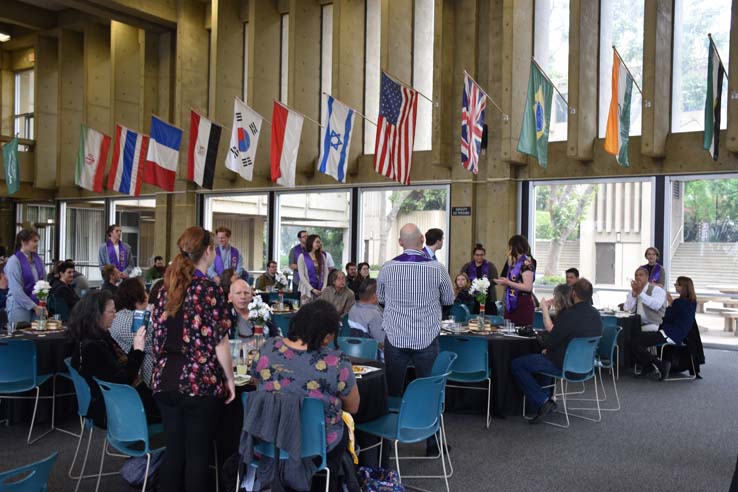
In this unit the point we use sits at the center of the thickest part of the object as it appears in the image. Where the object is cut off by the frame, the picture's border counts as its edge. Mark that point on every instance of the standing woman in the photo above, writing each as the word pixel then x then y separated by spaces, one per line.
pixel 517 278
pixel 313 269
pixel 23 269
pixel 479 267
pixel 193 371
pixel 656 272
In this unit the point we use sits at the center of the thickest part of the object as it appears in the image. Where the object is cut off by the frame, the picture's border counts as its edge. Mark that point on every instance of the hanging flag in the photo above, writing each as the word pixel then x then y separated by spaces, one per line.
pixel 393 151
pixel 91 159
pixel 713 100
pixel 618 119
pixel 126 167
pixel 203 150
pixel 286 131
pixel 244 138
pixel 162 157
pixel 335 138
pixel 473 104
pixel 10 160
pixel 536 117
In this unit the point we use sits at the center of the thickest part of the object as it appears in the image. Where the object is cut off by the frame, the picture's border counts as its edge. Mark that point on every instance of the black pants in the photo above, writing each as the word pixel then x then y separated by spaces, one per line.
pixel 639 346
pixel 189 430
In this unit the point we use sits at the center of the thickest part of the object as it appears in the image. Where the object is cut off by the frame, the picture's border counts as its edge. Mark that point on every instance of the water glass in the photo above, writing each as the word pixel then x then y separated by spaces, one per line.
pixel 11 327
pixel 242 366
pixel 57 317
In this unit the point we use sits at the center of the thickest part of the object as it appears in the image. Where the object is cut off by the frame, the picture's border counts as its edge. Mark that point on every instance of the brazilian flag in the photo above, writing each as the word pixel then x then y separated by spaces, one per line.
pixel 537 116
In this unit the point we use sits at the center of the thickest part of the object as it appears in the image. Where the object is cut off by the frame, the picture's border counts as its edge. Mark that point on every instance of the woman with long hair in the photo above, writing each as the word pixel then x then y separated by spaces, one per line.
pixel 23 270
pixel 313 269
pixel 517 277
pixel 463 296
pixel 193 371
pixel 560 301
pixel 480 267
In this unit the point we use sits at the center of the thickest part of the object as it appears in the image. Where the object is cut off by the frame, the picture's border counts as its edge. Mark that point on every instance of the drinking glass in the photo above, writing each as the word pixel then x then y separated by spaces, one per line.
pixel 11 327
pixel 242 366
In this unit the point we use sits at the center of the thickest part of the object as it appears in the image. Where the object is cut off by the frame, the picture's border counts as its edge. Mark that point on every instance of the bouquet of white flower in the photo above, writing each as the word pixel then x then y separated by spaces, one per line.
pixel 136 272
pixel 41 290
pixel 259 311
pixel 479 288
pixel 280 281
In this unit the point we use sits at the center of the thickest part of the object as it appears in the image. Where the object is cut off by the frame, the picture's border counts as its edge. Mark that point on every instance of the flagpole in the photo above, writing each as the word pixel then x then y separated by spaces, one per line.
pixel 352 109
pixel 626 68
pixel 487 95
pixel 543 72
pixel 298 112
pixel 398 80
pixel 709 35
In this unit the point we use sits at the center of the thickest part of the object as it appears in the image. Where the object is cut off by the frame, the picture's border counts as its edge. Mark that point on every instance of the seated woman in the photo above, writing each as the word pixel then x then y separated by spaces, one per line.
pixel 131 296
pixel 63 294
pixel 479 267
pixel 96 353
pixel 461 287
pixel 337 293
pixel 308 364
pixel 362 273
pixel 678 320
pixel 560 301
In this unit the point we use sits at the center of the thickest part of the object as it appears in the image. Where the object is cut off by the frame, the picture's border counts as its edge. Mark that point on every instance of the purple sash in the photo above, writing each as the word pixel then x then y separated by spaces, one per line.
pixel 413 256
pixel 472 270
pixel 28 280
pixel 199 274
pixel 120 262
pixel 219 266
pixel 511 295
pixel 655 272
pixel 316 280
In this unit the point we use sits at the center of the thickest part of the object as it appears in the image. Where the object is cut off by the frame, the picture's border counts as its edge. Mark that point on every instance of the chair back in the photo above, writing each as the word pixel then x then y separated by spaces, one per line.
pixel 579 359
pixel 28 478
pixel 608 342
pixel 471 352
pixel 362 348
pixel 125 416
pixel 609 320
pixel 81 389
pixel 460 312
pixel 538 320
pixel 345 327
pixel 282 321
pixel 421 407
pixel 443 363
pixel 18 364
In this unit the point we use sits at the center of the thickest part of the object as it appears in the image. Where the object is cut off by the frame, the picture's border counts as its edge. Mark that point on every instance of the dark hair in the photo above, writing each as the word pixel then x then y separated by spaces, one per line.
pixel 155 288
pixel 299 233
pixel 361 265
pixel 349 265
pixel 583 290
pixel 64 266
pixel 433 236
pixel 687 288
pixel 107 272
pixel 367 289
pixel 110 229
pixel 313 322
pixel 223 229
pixel 270 262
pixel 192 244
pixel 519 246
pixel 84 320
pixel 23 236
pixel 157 258
pixel 333 275
pixel 654 249
pixel 2 267
pixel 478 247
pixel 309 247
pixel 130 292
pixel 574 271
pixel 226 279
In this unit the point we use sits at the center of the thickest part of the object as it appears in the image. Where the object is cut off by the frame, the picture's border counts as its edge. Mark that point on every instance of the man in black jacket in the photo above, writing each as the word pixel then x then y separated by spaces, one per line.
pixel 580 321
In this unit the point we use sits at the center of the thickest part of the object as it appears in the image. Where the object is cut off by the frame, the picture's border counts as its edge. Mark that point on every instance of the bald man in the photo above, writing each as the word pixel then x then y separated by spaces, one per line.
pixel 413 289
pixel 240 296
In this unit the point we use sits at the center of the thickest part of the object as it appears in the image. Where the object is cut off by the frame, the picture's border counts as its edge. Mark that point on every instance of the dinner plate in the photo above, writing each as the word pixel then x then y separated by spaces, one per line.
pixel 360 370
pixel 241 379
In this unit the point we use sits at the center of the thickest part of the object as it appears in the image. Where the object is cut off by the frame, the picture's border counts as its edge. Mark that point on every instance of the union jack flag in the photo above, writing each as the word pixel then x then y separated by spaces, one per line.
pixel 472 124
pixel 393 151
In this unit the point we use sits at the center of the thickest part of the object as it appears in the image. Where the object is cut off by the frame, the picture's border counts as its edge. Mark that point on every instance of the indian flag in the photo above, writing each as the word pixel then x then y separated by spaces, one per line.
pixel 91 159
pixel 715 75
pixel 618 119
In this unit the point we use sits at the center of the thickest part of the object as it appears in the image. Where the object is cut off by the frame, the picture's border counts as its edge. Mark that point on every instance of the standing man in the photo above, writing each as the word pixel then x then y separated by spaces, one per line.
pixel 226 256
pixel 115 252
pixel 572 275
pixel 297 251
pixel 433 242
pixel 413 289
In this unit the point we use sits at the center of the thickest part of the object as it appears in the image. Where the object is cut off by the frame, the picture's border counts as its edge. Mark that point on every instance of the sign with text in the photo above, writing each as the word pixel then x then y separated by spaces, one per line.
pixel 460 211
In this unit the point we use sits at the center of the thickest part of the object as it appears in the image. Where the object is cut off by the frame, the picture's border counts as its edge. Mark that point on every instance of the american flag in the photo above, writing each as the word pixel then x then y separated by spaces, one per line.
pixel 398 108
pixel 472 124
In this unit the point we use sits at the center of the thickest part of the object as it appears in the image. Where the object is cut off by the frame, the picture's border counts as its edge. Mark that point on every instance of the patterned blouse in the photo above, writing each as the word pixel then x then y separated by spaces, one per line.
pixel 326 375
pixel 205 320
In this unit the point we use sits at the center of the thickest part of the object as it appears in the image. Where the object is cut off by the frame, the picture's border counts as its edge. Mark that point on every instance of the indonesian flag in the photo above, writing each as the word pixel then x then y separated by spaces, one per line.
pixel 91 159
pixel 163 154
pixel 203 150
pixel 286 131
pixel 129 154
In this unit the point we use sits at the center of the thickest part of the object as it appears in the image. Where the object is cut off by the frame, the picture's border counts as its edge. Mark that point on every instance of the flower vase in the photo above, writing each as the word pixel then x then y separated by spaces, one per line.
pixel 480 318
pixel 42 318
pixel 280 293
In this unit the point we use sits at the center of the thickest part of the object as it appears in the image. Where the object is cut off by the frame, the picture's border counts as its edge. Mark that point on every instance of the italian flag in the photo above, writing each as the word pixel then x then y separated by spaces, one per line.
pixel 91 159
pixel 715 74
pixel 618 119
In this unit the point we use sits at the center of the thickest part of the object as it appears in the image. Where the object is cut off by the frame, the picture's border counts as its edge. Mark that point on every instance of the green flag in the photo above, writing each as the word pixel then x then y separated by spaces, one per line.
pixel 10 160
pixel 537 117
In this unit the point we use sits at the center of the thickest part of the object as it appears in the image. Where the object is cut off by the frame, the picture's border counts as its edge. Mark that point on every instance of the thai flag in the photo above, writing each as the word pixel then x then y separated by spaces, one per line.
pixel 162 157
pixel 129 153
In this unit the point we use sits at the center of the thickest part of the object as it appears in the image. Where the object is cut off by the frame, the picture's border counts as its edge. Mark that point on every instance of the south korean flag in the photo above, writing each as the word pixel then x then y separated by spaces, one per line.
pixel 244 139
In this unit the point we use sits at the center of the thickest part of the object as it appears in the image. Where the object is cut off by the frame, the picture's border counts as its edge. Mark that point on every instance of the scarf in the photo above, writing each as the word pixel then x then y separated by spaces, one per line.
pixel 412 256
pixel 121 261
pixel 511 295
pixel 28 281
pixel 472 270
pixel 654 272
pixel 220 266
pixel 316 280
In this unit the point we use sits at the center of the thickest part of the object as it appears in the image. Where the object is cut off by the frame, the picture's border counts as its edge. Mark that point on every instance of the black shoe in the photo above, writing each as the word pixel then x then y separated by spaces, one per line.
pixel 545 409
pixel 665 369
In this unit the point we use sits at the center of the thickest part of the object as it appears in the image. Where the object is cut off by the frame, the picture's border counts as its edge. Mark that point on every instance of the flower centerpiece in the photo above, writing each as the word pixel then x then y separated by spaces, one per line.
pixel 41 290
pixel 280 281
pixel 259 312
pixel 479 289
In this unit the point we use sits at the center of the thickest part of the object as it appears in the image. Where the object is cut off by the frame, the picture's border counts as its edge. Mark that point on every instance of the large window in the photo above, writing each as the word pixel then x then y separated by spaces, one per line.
pixel 284 53
pixel 41 218
pixel 82 230
pixel 247 218
pixel 621 25
pixel 326 50
pixel 326 213
pixel 246 62
pixel 136 218
pixel 384 211
pixel 423 71
pixel 371 72
pixel 551 48
pixel 23 126
pixel 693 19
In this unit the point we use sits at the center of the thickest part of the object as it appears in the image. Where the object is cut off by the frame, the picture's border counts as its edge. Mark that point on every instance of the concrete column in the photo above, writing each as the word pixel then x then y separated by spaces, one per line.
pixel 150 86
pixel 182 210
pixel 731 139
pixel 71 103
pixel 127 60
pixel 397 39
pixel 162 236
pixel 97 84
pixel 165 75
pixel 657 64
pixel 7 90
pixel 583 65
pixel 46 93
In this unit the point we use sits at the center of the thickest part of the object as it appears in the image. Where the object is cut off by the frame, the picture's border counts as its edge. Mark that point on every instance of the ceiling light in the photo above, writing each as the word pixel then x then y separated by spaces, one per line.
pixel 4 37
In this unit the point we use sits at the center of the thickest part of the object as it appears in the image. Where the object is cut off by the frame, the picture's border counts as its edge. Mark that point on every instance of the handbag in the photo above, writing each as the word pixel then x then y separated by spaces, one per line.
pixel 133 471
pixel 379 480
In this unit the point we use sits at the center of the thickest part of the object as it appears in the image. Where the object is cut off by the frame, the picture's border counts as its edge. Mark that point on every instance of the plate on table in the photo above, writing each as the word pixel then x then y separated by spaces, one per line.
pixel 486 328
pixel 51 326
pixel 241 379
pixel 360 370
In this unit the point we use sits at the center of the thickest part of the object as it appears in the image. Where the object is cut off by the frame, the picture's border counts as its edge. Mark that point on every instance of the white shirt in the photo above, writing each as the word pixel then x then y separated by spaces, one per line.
pixel 655 301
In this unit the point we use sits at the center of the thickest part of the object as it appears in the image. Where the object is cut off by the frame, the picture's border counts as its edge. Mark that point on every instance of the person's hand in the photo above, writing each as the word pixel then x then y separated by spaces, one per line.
pixel 669 299
pixel 123 275
pixel 139 340
pixel 230 390
pixel 635 287
pixel 501 281
pixel 216 279
pixel 546 305
pixel 317 292
pixel 39 310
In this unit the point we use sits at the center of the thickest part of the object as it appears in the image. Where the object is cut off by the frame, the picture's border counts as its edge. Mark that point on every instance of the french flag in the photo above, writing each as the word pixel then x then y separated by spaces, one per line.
pixel 129 154
pixel 163 154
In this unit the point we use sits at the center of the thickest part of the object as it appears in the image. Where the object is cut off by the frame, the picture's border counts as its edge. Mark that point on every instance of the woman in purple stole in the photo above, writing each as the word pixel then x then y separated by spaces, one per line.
pixel 477 268
pixel 313 269
pixel 656 272
pixel 23 269
pixel 518 277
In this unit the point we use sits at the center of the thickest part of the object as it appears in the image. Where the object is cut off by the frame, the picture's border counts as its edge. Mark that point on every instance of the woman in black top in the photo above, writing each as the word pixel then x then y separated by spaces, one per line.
pixel 65 298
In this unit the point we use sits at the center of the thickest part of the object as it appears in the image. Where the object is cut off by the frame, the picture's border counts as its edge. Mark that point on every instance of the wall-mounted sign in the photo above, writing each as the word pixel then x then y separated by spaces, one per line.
pixel 460 211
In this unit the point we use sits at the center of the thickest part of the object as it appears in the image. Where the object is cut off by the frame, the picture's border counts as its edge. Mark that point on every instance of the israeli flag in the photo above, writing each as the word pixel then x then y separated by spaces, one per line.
pixel 335 138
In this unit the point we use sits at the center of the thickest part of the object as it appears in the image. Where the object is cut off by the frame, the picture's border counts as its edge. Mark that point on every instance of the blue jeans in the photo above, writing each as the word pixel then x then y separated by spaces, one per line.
pixel 397 359
pixel 524 369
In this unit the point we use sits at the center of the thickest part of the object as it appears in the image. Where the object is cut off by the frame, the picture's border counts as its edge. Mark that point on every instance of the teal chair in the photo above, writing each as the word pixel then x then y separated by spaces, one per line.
pixel 345 327
pixel 471 365
pixel 460 312
pixel 282 321
pixel 360 348
pixel 495 319
pixel 605 359
pixel 609 320
pixel 538 320
pixel 28 478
